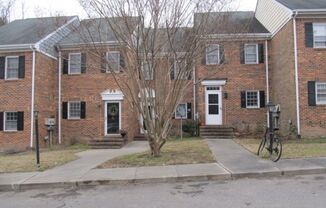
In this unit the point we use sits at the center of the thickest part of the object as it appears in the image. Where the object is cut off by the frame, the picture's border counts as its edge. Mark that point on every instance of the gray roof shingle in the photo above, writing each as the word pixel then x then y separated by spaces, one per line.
pixel 30 31
pixel 303 4
pixel 243 22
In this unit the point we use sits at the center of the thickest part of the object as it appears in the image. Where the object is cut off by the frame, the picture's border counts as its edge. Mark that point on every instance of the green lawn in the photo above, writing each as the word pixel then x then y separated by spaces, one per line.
pixel 26 161
pixel 303 148
pixel 175 152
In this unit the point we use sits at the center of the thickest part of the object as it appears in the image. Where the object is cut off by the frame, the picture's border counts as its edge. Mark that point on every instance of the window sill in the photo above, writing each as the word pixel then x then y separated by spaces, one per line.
pixel 74 119
pixel 10 131
pixel 11 80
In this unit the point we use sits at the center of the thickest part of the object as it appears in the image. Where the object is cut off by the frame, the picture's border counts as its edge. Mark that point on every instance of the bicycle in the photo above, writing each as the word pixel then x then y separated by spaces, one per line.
pixel 271 142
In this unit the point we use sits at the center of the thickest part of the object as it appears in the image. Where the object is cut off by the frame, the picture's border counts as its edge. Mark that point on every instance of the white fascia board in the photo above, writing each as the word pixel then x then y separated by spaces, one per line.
pixel 240 36
pixel 18 47
pixel 213 82
pixel 79 45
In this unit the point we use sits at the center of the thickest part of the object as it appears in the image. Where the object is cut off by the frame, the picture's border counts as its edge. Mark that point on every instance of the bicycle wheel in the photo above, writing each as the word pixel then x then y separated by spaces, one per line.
pixel 263 143
pixel 276 152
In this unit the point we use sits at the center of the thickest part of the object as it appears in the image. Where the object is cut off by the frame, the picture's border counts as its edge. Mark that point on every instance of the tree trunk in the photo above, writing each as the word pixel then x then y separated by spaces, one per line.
pixel 156 145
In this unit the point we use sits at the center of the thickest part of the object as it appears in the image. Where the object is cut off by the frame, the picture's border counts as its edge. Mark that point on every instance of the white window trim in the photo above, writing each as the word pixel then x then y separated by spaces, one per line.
pixel 73 118
pixel 257 53
pixel 107 60
pixel 70 54
pixel 218 54
pixel 317 24
pixel 5 119
pixel 175 113
pixel 319 102
pixel 258 99
pixel 152 74
pixel 6 66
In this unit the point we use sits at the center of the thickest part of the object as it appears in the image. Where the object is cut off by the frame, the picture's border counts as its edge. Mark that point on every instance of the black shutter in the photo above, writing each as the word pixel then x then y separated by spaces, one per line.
pixel 242 54
pixel 172 75
pixel 64 65
pixel 1 121
pixel 21 69
pixel 83 63
pixel 189 111
pixel 2 67
pixel 261 53
pixel 65 110
pixel 262 99
pixel 309 35
pixel 203 59
pixel 222 56
pixel 243 99
pixel 122 62
pixel 312 93
pixel 103 63
pixel 82 110
pixel 20 121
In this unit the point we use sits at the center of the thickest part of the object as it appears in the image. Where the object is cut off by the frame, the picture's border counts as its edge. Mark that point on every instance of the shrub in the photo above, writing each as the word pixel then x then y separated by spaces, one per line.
pixel 190 127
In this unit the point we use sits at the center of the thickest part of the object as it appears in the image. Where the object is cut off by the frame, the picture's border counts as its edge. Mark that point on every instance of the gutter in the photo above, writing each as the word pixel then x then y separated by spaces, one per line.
pixel 59 98
pixel 296 73
pixel 194 92
pixel 33 95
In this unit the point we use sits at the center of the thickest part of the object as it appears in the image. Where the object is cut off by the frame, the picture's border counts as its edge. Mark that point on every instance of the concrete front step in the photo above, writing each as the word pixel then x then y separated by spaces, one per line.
pixel 112 143
pixel 140 137
pixel 216 132
pixel 217 137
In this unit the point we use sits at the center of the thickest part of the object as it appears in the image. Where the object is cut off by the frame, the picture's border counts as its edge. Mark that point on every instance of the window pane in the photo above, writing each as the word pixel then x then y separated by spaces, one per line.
pixel 181 111
pixel 74 110
pixel 321 93
pixel 213 99
pixel 12 68
pixel 11 121
pixel 212 53
pixel 252 99
pixel 251 53
pixel 320 35
pixel 75 63
pixel 113 61
pixel 213 109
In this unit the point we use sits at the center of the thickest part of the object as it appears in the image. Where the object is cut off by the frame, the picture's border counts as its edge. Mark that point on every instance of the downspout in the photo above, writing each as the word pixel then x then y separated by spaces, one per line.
pixel 59 99
pixel 267 77
pixel 33 95
pixel 194 91
pixel 296 73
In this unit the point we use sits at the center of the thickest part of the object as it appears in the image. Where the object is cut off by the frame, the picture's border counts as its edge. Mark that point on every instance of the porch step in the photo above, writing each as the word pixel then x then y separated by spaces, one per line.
pixel 217 132
pixel 140 137
pixel 107 143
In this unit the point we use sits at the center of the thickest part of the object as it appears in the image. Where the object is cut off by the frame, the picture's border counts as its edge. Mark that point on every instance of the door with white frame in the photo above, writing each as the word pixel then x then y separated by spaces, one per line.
pixel 112 117
pixel 213 105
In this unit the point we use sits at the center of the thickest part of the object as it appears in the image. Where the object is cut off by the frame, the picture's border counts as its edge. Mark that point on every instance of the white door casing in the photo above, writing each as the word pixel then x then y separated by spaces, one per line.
pixel 213 105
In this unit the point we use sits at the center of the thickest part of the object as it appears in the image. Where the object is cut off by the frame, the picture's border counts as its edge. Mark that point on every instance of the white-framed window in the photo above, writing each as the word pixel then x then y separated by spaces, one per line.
pixel 251 53
pixel 74 63
pixel 181 111
pixel 10 121
pixel 12 67
pixel 212 54
pixel 74 110
pixel 113 58
pixel 252 99
pixel 319 35
pixel 147 71
pixel 180 65
pixel 321 93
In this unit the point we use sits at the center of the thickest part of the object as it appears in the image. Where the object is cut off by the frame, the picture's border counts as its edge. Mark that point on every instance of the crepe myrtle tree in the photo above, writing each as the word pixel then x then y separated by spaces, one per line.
pixel 159 48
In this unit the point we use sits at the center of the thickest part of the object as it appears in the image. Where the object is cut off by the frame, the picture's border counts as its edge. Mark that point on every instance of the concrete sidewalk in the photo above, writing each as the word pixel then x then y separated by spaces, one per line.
pixel 233 162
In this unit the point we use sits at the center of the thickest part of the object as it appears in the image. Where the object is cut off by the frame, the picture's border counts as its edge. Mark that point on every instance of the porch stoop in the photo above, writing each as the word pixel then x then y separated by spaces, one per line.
pixel 107 143
pixel 217 132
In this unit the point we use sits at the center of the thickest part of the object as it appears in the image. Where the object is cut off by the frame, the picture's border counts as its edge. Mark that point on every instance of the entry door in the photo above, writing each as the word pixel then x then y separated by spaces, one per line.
pixel 113 118
pixel 213 103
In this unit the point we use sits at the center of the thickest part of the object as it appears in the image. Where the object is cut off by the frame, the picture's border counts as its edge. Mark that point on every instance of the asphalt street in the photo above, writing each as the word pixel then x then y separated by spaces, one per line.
pixel 281 192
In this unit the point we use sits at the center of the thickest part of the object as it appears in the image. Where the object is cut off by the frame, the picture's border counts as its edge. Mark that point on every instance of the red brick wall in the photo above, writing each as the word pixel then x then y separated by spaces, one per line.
pixel 312 64
pixel 88 87
pixel 282 76
pixel 240 77
pixel 16 96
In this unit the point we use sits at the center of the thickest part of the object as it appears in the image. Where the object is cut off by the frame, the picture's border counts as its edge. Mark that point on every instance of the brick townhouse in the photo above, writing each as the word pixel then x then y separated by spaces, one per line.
pixel 276 53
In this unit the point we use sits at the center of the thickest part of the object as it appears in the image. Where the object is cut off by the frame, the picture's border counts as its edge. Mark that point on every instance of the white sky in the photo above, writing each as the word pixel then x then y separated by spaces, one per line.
pixel 38 8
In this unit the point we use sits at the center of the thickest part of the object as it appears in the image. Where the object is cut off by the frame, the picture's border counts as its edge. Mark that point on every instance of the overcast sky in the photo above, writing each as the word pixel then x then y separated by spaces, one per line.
pixel 38 8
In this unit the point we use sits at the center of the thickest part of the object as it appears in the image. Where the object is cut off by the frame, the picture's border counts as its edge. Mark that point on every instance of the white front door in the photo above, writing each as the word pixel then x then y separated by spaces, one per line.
pixel 213 105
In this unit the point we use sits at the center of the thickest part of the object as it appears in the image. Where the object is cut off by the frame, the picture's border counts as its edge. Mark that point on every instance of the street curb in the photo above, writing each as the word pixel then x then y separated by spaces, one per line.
pixel 217 177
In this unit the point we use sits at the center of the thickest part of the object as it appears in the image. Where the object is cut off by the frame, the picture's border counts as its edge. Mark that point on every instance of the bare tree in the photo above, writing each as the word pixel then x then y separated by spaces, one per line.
pixel 160 44
pixel 5 11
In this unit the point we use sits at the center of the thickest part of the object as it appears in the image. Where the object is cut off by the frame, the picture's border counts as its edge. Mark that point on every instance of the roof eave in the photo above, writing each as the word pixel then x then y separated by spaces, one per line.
pixel 309 11
pixel 80 45
pixel 240 36
pixel 17 47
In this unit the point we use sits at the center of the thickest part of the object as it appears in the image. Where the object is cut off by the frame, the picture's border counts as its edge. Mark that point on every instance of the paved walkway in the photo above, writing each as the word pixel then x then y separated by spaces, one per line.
pixel 233 161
